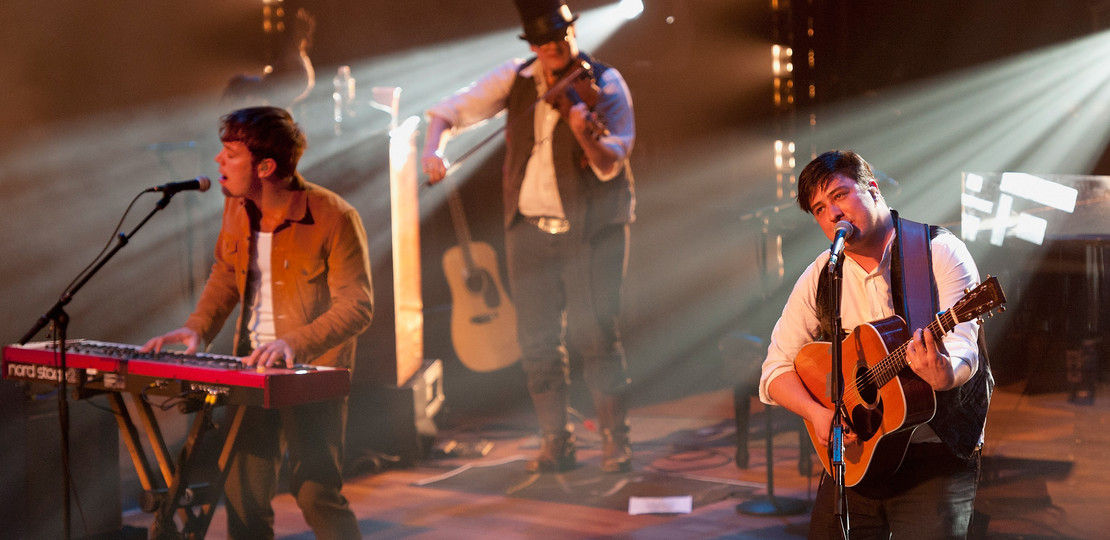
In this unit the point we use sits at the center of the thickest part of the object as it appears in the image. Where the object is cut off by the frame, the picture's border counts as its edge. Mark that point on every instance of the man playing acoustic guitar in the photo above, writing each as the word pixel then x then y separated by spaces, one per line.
pixel 927 487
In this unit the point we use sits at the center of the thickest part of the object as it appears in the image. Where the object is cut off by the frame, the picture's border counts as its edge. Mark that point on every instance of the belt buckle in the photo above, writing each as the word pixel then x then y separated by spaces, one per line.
pixel 550 225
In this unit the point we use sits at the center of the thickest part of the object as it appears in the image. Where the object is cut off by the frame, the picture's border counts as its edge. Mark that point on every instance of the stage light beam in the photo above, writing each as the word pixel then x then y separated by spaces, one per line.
pixel 631 9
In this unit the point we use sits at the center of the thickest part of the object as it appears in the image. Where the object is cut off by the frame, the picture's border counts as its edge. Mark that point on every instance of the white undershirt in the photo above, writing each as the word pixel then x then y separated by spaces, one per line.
pixel 261 325
pixel 539 192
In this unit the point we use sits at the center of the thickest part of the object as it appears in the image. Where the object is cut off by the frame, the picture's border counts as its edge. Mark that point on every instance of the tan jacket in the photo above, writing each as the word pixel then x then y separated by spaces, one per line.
pixel 323 298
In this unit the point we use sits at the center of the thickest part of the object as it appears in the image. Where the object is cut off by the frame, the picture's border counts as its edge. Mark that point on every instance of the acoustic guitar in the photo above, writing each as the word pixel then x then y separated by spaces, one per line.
pixel 884 401
pixel 483 318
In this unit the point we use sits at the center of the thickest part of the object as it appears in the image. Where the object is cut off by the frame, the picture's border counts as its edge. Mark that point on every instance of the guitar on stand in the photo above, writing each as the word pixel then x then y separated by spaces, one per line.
pixel 884 401
pixel 483 318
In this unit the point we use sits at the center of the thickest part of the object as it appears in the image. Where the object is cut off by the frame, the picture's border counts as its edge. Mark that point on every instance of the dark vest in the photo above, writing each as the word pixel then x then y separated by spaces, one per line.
pixel 961 411
pixel 589 203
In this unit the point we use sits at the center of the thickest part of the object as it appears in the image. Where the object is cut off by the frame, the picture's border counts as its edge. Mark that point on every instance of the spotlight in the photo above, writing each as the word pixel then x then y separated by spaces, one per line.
pixel 630 9
pixel 782 61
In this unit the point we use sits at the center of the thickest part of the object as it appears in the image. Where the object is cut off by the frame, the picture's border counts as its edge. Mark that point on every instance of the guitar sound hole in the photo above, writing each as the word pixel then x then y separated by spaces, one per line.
pixel 480 281
pixel 866 417
pixel 476 281
pixel 868 393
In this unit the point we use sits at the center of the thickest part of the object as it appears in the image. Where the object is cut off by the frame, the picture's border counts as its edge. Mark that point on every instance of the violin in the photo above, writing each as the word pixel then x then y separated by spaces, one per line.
pixel 576 84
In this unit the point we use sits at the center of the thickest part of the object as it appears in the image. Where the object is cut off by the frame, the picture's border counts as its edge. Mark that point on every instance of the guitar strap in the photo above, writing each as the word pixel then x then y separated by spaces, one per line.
pixel 911 273
pixel 961 412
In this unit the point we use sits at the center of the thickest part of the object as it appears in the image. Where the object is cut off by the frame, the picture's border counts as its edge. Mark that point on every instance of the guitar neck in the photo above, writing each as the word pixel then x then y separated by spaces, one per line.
pixel 885 370
pixel 462 231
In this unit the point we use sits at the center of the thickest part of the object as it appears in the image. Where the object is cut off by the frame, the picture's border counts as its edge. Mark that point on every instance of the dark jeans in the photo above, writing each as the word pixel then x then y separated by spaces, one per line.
pixel 567 292
pixel 313 434
pixel 931 496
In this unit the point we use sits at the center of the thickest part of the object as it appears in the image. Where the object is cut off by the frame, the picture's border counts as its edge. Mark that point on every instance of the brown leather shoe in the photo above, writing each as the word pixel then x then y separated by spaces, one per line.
pixel 557 454
pixel 616 452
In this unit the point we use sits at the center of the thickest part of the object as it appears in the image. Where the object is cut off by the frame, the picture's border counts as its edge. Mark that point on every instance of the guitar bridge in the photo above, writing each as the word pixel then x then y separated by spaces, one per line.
pixel 485 318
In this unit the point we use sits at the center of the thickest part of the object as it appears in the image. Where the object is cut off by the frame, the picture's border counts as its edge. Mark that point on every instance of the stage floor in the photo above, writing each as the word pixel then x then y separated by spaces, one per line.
pixel 1044 477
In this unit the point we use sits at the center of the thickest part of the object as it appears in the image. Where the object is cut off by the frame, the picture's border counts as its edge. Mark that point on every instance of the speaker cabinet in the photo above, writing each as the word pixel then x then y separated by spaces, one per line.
pixel 30 443
pixel 394 425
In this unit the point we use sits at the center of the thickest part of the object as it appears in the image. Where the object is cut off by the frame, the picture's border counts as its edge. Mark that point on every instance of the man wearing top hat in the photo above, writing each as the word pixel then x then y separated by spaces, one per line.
pixel 568 201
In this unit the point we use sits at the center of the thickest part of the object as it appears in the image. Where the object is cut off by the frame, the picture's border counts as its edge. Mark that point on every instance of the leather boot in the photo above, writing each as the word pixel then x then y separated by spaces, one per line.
pixel 557 454
pixel 557 451
pixel 616 452
pixel 616 449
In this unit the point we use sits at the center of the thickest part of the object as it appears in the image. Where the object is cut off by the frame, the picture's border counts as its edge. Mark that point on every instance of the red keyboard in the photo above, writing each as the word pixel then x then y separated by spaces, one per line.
pixel 114 367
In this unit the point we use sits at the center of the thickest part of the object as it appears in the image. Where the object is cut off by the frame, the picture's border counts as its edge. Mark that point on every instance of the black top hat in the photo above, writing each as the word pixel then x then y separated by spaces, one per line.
pixel 544 20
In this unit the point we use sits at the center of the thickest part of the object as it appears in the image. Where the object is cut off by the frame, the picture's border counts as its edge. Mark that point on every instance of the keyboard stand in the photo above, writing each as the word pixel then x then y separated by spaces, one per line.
pixel 174 499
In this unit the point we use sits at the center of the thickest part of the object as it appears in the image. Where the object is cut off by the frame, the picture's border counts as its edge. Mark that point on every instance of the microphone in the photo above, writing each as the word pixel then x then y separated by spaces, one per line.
pixel 200 183
pixel 843 232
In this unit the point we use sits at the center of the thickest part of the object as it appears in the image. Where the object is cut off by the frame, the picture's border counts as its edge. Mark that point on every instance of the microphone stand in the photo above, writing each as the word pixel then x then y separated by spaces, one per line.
pixel 836 439
pixel 60 318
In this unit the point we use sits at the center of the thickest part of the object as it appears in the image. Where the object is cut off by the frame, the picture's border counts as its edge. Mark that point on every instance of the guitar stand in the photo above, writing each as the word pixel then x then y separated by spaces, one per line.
pixel 178 498
pixel 771 505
